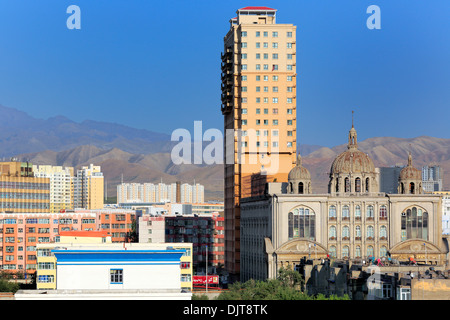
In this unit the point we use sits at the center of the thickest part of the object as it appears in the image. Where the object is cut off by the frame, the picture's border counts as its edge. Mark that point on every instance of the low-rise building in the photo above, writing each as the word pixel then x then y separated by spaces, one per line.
pixel 114 271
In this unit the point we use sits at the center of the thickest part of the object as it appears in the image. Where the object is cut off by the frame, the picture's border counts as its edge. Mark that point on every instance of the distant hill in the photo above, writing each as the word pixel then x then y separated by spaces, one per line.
pixel 144 156
pixel 385 152
pixel 118 165
pixel 21 133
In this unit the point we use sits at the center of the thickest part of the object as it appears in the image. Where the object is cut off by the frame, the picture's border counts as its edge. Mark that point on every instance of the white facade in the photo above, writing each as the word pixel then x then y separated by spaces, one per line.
pixel 161 192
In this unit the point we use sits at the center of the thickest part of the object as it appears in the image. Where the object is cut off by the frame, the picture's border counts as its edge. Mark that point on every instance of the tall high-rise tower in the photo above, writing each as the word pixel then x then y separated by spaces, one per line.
pixel 259 108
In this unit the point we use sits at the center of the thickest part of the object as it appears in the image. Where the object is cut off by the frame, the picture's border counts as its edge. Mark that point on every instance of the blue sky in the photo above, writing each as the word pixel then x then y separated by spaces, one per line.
pixel 130 56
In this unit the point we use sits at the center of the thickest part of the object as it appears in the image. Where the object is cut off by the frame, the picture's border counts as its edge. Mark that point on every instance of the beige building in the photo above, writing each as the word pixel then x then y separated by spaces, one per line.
pixel 20 190
pixel 354 221
pixel 61 185
pixel 89 188
pixel 259 97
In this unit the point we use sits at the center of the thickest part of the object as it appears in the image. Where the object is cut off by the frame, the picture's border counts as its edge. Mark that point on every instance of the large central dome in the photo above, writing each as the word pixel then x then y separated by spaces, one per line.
pixel 353 170
pixel 352 160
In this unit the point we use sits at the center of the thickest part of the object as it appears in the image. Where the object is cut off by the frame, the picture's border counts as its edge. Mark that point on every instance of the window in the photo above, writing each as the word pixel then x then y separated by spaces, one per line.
pixel 414 224
pixel 258 34
pixel 289 78
pixel 358 212
pixel 301 223
pixel 333 252
pixel 345 252
pixel 345 212
pixel 244 111
pixel 116 276
pixel 369 213
pixel 243 56
pixel 370 251
pixel 289 34
pixel 243 33
pixel 244 67
pixel 370 233
pixel 258 56
pixel 244 45
pixel 266 34
pixel 185 265
pixel 258 45
pixel 274 34
pixel 265 45
pixel 332 232
pixel 289 56
pixel 332 212
pixel 345 232
pixel 275 45
pixel 383 212
pixel 289 45
pixel 274 100
pixel 358 252
pixel 358 232
pixel 383 232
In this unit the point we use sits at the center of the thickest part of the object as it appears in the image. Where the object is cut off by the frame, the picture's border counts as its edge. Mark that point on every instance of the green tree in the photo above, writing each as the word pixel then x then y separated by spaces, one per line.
pixel 7 286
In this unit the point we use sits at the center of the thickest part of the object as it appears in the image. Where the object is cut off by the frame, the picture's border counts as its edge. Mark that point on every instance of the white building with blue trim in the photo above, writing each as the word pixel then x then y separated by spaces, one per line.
pixel 115 271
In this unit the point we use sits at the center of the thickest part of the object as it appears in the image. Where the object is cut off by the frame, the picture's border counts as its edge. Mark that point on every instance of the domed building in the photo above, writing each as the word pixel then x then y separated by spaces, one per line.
pixel 410 179
pixel 353 170
pixel 354 221
pixel 299 179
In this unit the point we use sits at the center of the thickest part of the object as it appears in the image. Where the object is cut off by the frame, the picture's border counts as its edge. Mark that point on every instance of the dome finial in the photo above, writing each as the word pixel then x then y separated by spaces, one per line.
pixel 299 160
pixel 352 141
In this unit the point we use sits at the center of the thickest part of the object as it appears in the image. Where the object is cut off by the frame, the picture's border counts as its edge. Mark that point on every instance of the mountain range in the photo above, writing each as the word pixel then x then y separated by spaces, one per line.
pixel 136 155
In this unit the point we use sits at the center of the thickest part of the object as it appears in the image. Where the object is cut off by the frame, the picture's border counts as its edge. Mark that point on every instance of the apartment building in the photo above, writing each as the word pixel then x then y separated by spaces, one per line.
pixel 259 97
pixel 61 185
pixel 160 193
pixel 205 232
pixel 20 190
pixel 21 232
pixel 88 186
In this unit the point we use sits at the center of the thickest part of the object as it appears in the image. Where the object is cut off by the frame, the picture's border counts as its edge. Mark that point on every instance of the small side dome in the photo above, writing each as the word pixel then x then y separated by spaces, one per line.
pixel 299 179
pixel 409 172
pixel 299 172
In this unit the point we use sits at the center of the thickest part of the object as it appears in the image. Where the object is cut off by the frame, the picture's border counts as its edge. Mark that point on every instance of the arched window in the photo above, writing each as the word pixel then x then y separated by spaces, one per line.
pixel 332 212
pixel 383 212
pixel 402 188
pixel 358 185
pixel 302 223
pixel 411 187
pixel 357 212
pixel 345 232
pixel 300 188
pixel 367 184
pixel 370 232
pixel 383 251
pixel 358 252
pixel 347 184
pixel 337 184
pixel 332 232
pixel 291 189
pixel 369 213
pixel 345 252
pixel 333 252
pixel 370 251
pixel 414 224
pixel 345 212
pixel 383 232
pixel 358 231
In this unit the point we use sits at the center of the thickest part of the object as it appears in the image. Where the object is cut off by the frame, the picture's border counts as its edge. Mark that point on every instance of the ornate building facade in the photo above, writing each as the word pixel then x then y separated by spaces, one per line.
pixel 353 221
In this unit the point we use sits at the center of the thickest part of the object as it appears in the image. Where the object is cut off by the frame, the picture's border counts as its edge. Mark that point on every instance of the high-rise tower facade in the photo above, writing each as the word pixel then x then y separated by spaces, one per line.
pixel 259 106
